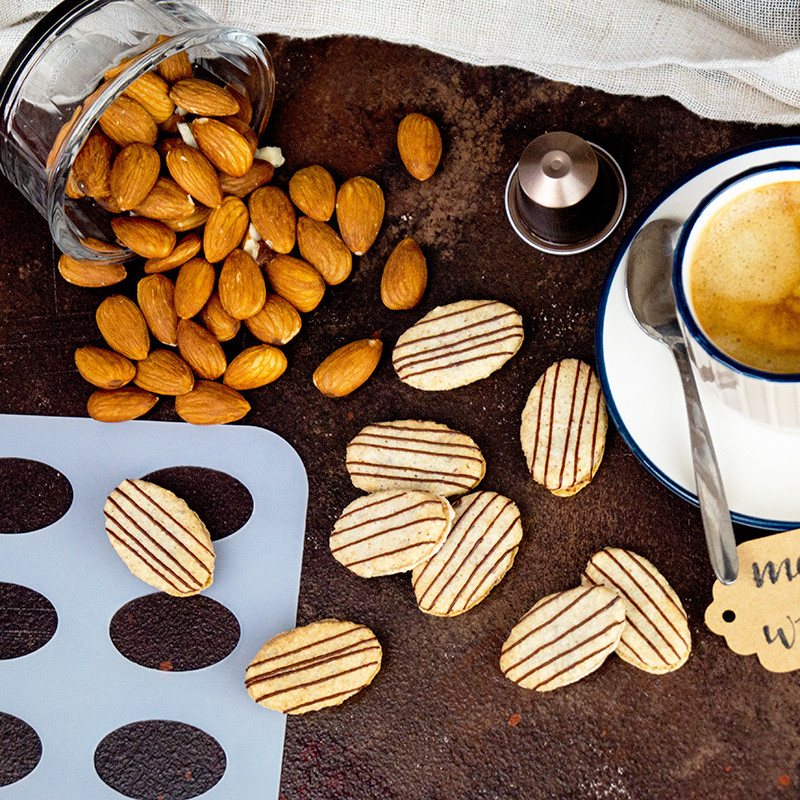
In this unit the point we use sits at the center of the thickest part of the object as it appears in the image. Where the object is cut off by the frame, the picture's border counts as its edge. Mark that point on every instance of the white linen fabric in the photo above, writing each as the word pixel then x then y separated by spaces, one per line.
pixel 724 59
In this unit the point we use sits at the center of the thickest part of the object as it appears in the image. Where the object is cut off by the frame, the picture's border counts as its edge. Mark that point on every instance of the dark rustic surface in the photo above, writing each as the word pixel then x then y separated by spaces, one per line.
pixel 440 721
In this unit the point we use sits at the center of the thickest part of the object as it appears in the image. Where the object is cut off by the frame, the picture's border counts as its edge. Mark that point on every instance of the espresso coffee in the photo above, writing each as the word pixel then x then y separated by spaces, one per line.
pixel 744 277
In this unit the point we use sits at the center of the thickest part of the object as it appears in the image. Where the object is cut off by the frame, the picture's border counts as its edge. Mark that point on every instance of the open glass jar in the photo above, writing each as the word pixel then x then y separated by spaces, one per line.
pixel 54 90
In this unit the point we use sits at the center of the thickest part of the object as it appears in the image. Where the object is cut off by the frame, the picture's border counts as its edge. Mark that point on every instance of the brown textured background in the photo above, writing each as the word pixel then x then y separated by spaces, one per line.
pixel 440 721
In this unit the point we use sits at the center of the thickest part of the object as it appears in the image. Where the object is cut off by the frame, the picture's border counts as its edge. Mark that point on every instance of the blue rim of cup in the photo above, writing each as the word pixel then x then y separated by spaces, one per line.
pixel 682 302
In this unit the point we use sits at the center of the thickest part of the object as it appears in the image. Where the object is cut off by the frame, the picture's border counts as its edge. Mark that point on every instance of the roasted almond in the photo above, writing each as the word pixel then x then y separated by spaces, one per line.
pixel 313 191
pixel 123 326
pixel 145 237
pixel 164 372
pixel 242 127
pixel 202 97
pixel 166 200
pixel 420 145
pixel 218 320
pixel 201 350
pixel 156 297
pixel 71 188
pixel 152 93
pixel 195 174
pixel 211 403
pixel 166 144
pixel 175 68
pixel 272 214
pixel 112 72
pixel 347 368
pixel 195 220
pixel 99 246
pixel 107 203
pixel 245 112
pixel 118 405
pixel 359 212
pixel 92 166
pixel 225 148
pixel 260 173
pixel 242 290
pixel 276 323
pixel 254 367
pixel 296 281
pixel 193 287
pixel 225 228
pixel 322 247
pixel 91 274
pixel 103 368
pixel 134 174
pixel 405 276
pixel 126 121
pixel 188 247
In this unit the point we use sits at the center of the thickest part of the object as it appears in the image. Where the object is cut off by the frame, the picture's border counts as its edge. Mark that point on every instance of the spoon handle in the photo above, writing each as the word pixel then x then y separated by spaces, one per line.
pixel 710 491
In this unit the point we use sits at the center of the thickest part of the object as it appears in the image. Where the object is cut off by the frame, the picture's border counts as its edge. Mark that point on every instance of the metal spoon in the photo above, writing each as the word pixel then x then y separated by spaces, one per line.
pixel 652 301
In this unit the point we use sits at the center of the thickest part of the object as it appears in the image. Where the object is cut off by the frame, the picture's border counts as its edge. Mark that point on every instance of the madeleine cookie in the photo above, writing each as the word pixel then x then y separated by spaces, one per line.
pixel 564 426
pixel 475 556
pixel 393 531
pixel 312 667
pixel 411 454
pixel 656 635
pixel 457 344
pixel 563 638
pixel 160 539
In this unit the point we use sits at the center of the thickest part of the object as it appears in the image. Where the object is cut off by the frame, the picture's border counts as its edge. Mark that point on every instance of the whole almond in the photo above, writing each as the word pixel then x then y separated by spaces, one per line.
pixel 91 274
pixel 242 290
pixel 166 200
pixel 254 367
pixel 278 322
pixel 193 287
pixel 296 281
pixel 359 212
pixel 218 321
pixel 156 297
pixel 99 246
pixel 164 372
pixel 211 403
pixel 196 219
pixel 134 174
pixel 202 97
pixel 112 72
pixel 118 405
pixel 272 214
pixel 71 188
pixel 126 121
pixel 166 144
pixel 188 247
pixel 313 191
pixel 103 368
pixel 175 68
pixel 195 174
pixel 152 92
pixel 225 228
pixel 169 126
pixel 347 368
pixel 420 145
pixel 123 326
pixel 200 349
pixel 240 126
pixel 92 166
pixel 260 173
pixel 405 276
pixel 225 148
pixel 107 203
pixel 322 247
pixel 145 237
pixel 245 112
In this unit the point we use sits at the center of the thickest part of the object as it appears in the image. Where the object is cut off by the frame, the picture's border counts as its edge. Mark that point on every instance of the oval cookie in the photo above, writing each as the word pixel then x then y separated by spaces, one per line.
pixel 457 344
pixel 160 539
pixel 475 556
pixel 412 454
pixel 387 532
pixel 563 638
pixel 656 636
pixel 564 426
pixel 318 665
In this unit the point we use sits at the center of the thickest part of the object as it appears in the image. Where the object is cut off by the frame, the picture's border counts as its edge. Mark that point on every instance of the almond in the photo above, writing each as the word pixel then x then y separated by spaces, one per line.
pixel 211 403
pixel 245 112
pixel 296 281
pixel 203 97
pixel 164 372
pixel 118 405
pixel 345 369
pixel 359 212
pixel 193 287
pixel 254 367
pixel 126 121
pixel 92 274
pixel 322 247
pixel 134 174
pixel 145 237
pixel 272 214
pixel 219 321
pixel 200 349
pixel 167 144
pixel 170 125
pixel 225 228
pixel 103 368
pixel 196 219
pixel 225 147
pixel 313 191
pixel 188 247
pixel 152 93
pixel 242 290
pixel 242 127
pixel 420 145
pixel 166 200
pixel 92 166
pixel 405 276
pixel 71 188
pixel 107 203
pixel 175 68
pixel 276 323
pixel 112 72
pixel 99 246
pixel 194 173
pixel 123 326
pixel 156 297
pixel 260 173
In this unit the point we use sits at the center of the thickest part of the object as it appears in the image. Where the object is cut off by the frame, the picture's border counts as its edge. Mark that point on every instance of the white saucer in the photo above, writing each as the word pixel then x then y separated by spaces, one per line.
pixel 760 467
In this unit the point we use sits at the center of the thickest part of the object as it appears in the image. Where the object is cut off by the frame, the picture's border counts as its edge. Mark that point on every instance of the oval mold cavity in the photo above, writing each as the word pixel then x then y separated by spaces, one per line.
pixel 28 620
pixel 33 495
pixel 223 502
pixel 159 758
pixel 20 749
pixel 174 633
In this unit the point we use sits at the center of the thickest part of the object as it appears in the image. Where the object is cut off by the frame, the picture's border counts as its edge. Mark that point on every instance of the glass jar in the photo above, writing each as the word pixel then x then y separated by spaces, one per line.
pixel 53 89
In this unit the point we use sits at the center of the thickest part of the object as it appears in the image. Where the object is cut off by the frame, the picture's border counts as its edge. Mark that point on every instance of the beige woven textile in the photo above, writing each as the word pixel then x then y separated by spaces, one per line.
pixel 725 59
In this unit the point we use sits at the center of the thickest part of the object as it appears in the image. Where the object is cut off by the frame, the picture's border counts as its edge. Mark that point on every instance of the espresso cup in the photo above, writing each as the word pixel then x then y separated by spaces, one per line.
pixel 737 289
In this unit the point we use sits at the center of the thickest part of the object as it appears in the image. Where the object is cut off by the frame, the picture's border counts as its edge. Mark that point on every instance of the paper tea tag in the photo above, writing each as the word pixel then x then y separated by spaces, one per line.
pixel 760 612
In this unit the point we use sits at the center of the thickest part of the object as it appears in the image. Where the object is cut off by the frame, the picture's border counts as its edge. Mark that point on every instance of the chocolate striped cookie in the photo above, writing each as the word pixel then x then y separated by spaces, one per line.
pixel 411 454
pixel 475 556
pixel 387 532
pixel 563 638
pixel 160 539
pixel 312 667
pixel 564 426
pixel 656 636
pixel 457 344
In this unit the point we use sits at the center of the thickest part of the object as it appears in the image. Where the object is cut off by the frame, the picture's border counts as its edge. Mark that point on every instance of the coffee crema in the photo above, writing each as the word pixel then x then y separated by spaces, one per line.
pixel 744 278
